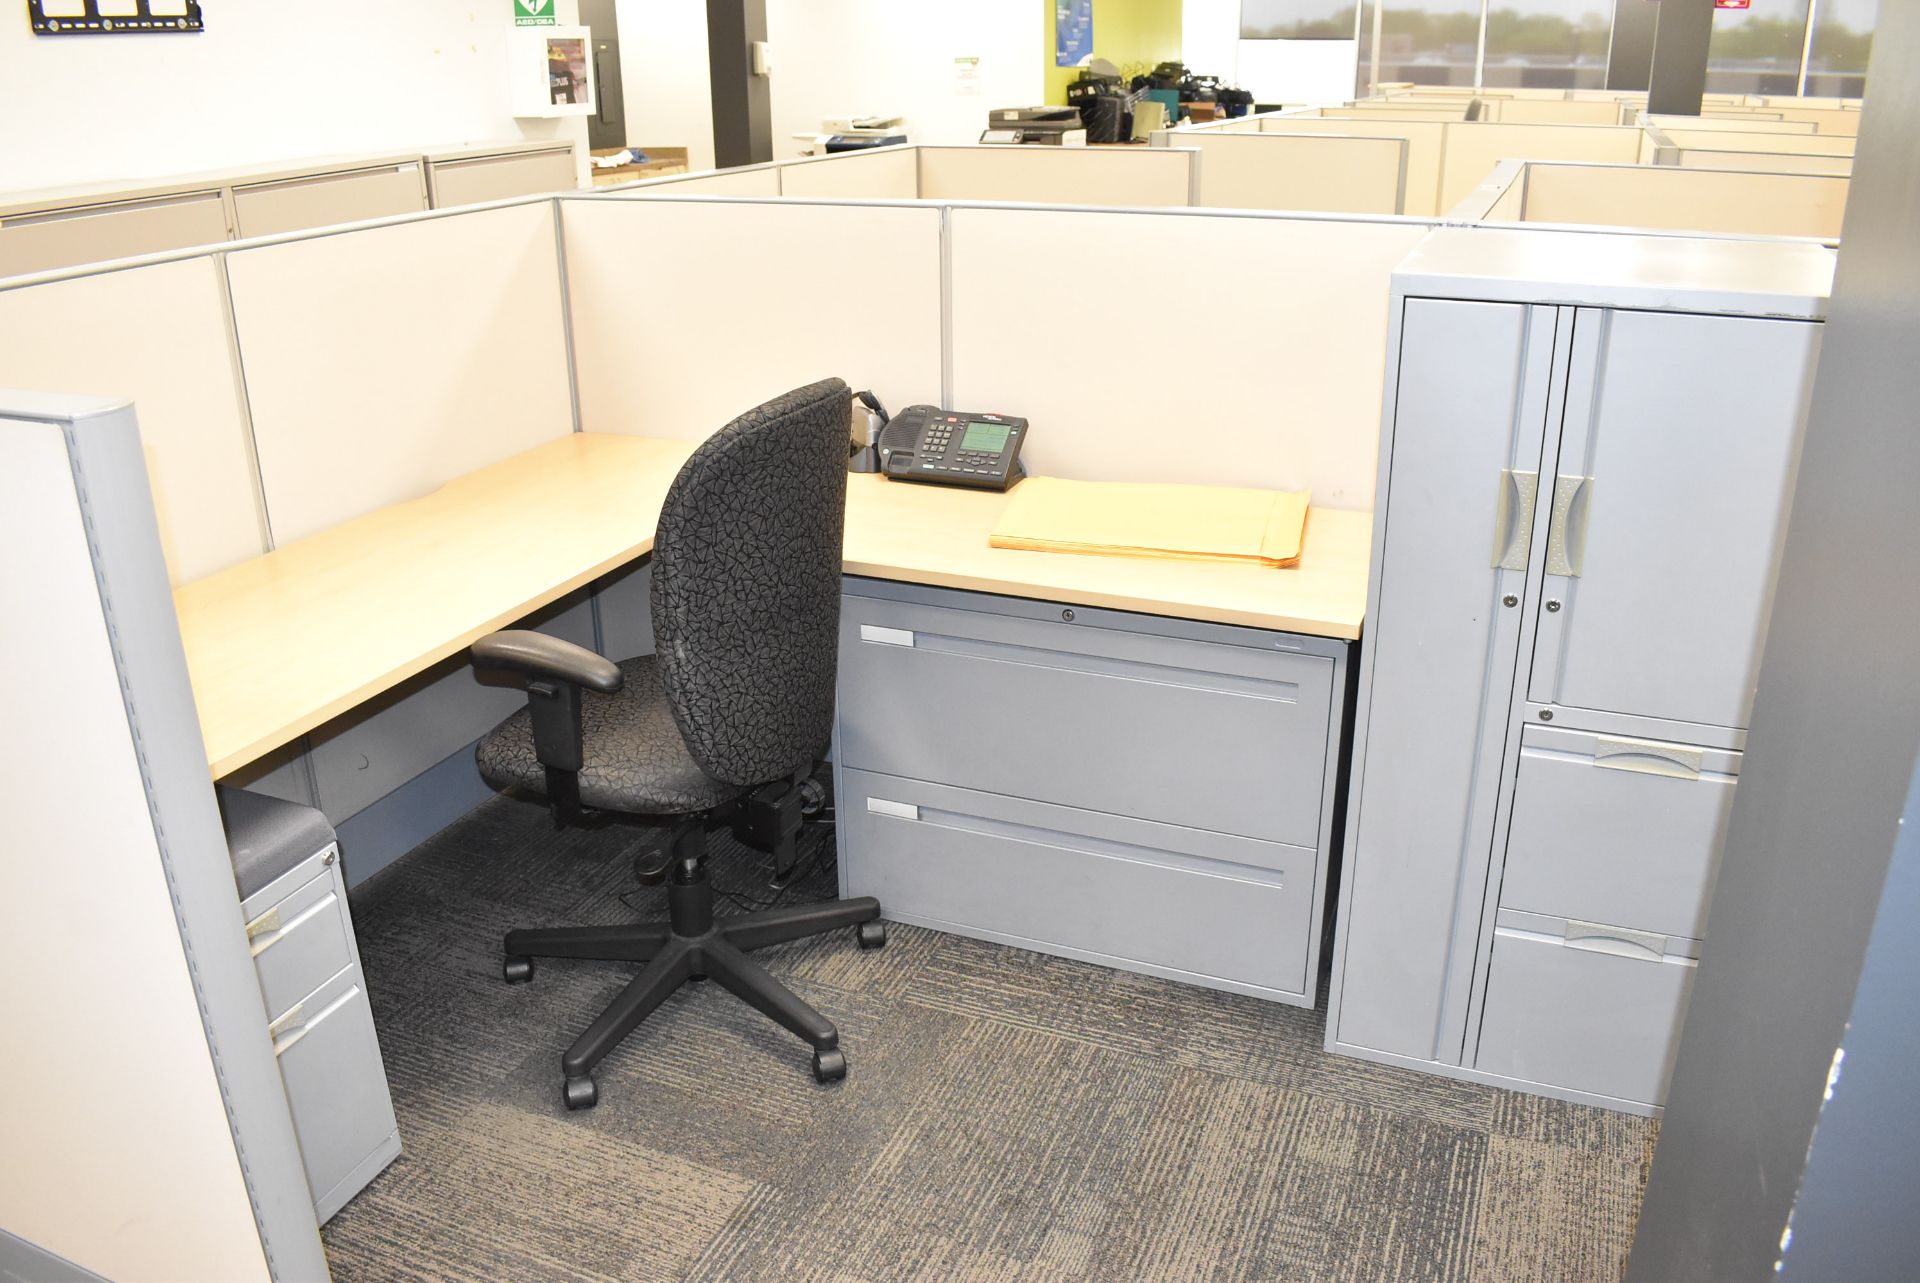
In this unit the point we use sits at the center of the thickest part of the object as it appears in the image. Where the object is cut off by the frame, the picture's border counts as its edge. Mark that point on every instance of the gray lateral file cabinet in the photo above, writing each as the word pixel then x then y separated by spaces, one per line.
pixel 1148 793
pixel 1585 465
pixel 287 867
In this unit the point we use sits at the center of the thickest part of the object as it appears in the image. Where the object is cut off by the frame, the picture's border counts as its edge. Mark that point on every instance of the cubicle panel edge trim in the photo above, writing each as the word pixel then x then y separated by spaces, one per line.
pixel 109 479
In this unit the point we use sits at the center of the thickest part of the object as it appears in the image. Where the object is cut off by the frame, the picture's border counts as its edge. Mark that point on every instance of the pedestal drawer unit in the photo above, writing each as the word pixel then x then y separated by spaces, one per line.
pixel 313 993
pixel 1586 452
pixel 1145 792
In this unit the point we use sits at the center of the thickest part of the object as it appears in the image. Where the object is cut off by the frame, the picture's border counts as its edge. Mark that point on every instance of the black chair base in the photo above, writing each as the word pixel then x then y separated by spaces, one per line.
pixel 692 945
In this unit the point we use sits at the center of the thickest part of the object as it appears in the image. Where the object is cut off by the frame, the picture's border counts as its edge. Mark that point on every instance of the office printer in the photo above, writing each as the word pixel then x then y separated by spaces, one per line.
pixel 853 133
pixel 1048 126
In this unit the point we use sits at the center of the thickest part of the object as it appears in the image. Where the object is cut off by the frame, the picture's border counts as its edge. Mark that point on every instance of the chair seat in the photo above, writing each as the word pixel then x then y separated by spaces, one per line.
pixel 634 758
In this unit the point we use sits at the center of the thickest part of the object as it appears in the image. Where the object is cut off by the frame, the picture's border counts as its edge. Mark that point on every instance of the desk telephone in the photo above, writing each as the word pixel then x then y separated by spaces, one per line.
pixel 952 447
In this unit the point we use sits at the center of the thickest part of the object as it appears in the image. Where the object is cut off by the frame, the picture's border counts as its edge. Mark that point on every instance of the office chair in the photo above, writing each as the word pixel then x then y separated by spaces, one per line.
pixel 720 727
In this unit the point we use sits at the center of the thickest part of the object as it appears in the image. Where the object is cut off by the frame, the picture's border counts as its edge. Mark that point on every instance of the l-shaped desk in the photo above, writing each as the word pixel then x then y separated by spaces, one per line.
pixel 1148 750
pixel 282 643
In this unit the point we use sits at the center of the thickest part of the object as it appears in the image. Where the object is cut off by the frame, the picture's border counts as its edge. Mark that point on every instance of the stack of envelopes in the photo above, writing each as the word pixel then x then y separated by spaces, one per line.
pixel 1125 519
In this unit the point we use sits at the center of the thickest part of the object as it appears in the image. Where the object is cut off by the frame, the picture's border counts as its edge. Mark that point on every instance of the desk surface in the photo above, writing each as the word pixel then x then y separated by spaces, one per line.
pixel 282 643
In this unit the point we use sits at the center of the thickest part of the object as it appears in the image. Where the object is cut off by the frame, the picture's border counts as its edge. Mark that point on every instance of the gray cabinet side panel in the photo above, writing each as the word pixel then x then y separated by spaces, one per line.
pixel 1440 642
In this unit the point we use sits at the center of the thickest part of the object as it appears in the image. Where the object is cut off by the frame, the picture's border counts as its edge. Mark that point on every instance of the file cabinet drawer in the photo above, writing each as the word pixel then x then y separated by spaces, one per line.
pixel 1588 1013
pixel 336 1089
pixel 1197 906
pixel 1617 830
pixel 1211 735
pixel 300 939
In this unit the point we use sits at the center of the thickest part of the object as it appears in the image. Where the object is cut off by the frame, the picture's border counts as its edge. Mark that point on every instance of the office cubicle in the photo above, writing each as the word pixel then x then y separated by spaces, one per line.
pixel 302 380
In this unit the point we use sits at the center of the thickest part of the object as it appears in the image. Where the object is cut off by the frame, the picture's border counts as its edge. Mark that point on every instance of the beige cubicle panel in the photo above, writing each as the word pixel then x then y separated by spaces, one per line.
pixel 1395 111
pixel 755 299
pixel 1671 198
pixel 1473 148
pixel 1730 140
pixel 383 361
pixel 157 336
pixel 1133 177
pixel 1731 122
pixel 1307 172
pixel 1841 121
pixel 468 178
pixel 1758 161
pixel 759 180
pixel 1425 146
pixel 321 200
pixel 121 1154
pixel 1551 111
pixel 885 173
pixel 95 233
pixel 1285 365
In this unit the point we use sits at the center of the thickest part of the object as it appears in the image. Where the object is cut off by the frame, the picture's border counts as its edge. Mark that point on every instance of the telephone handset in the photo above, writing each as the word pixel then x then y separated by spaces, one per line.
pixel 953 447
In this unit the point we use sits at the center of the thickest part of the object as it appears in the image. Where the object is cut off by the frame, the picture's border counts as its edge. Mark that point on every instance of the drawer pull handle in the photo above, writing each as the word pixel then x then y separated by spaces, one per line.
pixel 899 810
pixel 1513 524
pixel 886 636
pixel 266 922
pixel 1665 758
pixel 1572 497
pixel 289 1019
pixel 1597 937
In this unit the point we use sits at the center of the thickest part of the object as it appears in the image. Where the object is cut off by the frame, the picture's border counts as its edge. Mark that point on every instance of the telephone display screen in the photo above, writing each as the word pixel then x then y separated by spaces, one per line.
pixel 990 437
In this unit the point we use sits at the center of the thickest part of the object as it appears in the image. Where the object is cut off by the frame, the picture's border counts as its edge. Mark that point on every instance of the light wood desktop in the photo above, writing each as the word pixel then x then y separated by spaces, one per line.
pixel 284 642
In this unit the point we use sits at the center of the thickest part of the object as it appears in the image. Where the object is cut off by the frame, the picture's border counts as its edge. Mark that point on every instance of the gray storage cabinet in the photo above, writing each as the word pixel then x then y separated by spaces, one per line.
pixel 287 866
pixel 1147 793
pixel 1580 509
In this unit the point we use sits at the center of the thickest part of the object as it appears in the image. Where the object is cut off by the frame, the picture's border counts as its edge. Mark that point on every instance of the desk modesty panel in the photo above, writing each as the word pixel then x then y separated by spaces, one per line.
pixel 284 642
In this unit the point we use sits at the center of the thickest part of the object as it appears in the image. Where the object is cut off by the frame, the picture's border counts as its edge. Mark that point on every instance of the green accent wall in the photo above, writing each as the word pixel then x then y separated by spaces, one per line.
pixel 1131 34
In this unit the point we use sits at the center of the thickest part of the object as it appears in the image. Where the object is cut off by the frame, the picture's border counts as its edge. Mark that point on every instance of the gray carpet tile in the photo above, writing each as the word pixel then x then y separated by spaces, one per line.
pixel 1008 1117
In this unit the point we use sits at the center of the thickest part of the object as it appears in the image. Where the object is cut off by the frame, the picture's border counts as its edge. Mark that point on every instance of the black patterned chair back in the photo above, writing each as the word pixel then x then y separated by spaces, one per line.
pixel 746 586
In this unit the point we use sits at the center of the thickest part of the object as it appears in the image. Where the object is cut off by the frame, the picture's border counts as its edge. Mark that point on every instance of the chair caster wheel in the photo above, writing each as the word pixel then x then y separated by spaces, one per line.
pixel 580 1093
pixel 873 935
pixel 517 970
pixel 829 1066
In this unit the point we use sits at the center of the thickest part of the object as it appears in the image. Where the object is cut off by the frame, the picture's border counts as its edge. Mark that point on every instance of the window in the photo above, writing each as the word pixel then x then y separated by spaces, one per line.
pixel 1297 19
pixel 1757 50
pixel 1548 44
pixel 1428 42
pixel 1842 39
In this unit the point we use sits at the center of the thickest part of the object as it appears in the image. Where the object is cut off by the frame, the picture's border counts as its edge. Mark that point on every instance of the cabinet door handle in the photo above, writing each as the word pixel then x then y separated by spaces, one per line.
pixel 1513 519
pixel 1674 759
pixel 1597 937
pixel 1572 498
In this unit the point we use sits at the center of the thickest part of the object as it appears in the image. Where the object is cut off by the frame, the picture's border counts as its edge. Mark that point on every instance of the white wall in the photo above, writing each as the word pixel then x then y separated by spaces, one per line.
pixel 895 57
pixel 1286 71
pixel 266 82
pixel 663 74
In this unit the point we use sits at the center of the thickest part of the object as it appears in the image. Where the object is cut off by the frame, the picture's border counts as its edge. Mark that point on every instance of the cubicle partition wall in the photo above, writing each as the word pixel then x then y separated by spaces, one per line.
pixel 1277 384
pixel 1347 174
pixel 1830 145
pixel 1425 141
pixel 1136 177
pixel 1661 198
pixel 48 230
pixel 1755 161
pixel 1473 148
pixel 159 335
pixel 288 384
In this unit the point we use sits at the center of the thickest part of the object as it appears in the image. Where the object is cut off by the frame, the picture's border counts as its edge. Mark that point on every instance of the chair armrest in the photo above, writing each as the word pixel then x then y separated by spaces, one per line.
pixel 517 650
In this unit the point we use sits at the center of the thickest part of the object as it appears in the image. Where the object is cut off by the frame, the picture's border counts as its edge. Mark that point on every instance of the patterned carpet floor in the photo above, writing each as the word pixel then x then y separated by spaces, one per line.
pixel 1008 1117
